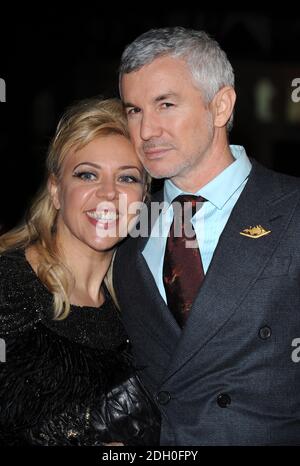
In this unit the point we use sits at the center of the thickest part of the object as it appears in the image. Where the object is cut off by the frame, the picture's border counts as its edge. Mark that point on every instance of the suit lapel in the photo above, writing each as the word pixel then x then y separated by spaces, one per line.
pixel 155 315
pixel 162 322
pixel 237 262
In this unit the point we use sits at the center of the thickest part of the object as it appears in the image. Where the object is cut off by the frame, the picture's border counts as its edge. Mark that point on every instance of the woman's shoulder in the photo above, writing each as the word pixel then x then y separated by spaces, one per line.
pixel 18 308
pixel 14 269
pixel 12 257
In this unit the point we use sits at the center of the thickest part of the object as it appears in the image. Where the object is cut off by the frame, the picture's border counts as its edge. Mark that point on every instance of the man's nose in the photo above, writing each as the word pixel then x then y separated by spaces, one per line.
pixel 150 127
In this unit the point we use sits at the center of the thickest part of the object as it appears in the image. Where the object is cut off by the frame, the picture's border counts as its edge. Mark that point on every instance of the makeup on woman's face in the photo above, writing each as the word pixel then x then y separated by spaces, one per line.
pixel 97 190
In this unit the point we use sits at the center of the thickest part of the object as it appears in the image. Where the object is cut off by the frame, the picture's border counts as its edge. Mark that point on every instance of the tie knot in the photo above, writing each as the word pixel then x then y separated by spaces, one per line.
pixel 187 202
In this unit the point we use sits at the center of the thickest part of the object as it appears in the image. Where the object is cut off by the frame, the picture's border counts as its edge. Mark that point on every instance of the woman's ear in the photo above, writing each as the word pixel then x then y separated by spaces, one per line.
pixel 222 106
pixel 53 191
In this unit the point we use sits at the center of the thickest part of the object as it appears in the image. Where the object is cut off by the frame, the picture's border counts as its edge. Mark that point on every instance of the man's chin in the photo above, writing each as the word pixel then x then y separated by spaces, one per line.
pixel 160 172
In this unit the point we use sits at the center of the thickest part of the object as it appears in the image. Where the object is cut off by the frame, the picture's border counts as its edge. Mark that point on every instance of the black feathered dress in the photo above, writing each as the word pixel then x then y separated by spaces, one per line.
pixel 69 382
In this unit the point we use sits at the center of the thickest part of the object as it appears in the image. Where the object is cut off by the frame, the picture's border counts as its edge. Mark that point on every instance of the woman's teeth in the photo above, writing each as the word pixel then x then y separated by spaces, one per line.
pixel 105 215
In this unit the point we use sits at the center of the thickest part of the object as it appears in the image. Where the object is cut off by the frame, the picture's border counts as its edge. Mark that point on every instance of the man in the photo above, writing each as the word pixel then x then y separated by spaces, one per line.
pixel 220 362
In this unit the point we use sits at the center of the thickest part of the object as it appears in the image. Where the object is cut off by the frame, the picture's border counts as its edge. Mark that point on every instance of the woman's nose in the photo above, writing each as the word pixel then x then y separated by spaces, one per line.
pixel 107 190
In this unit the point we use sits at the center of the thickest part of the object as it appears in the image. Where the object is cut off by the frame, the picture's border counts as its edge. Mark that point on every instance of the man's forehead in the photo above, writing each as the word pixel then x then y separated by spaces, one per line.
pixel 154 82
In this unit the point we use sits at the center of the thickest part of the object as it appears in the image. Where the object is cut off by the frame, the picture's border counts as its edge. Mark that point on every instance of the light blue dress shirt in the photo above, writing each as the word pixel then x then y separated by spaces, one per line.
pixel 221 193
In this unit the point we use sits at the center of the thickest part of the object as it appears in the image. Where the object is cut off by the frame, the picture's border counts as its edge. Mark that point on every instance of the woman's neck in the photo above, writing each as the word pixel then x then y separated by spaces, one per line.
pixel 88 268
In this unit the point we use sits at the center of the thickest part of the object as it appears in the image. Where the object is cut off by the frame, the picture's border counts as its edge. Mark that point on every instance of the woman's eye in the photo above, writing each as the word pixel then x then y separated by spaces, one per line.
pixel 129 179
pixel 86 176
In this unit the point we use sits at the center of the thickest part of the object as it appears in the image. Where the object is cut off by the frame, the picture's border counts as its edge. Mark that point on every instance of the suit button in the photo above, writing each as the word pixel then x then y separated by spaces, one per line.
pixel 265 332
pixel 163 398
pixel 223 400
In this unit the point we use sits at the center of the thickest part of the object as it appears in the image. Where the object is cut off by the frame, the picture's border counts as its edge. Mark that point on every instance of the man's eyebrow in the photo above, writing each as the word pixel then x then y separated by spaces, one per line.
pixel 165 96
pixel 128 104
pixel 159 98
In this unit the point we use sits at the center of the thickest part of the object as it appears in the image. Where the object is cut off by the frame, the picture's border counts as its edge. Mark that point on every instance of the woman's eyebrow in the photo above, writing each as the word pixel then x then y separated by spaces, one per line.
pixel 125 167
pixel 95 165
pixel 92 164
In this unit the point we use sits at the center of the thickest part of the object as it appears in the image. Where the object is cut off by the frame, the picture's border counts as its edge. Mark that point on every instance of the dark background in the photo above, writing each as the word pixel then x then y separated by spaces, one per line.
pixel 49 58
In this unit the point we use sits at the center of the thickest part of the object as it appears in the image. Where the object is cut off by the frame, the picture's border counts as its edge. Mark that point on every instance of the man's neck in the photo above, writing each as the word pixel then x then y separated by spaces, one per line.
pixel 207 169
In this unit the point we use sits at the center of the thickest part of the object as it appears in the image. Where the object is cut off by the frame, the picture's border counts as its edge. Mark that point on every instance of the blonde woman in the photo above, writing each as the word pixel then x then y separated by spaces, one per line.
pixel 69 378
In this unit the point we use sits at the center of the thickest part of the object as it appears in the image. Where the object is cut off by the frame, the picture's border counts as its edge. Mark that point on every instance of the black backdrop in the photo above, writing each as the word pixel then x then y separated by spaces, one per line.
pixel 50 57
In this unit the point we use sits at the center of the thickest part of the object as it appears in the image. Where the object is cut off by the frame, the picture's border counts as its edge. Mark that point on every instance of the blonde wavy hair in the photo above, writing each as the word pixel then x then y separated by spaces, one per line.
pixel 81 123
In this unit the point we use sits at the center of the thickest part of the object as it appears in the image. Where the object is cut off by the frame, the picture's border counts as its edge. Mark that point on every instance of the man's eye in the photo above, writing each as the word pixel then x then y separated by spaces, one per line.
pixel 133 111
pixel 167 104
pixel 129 179
pixel 86 176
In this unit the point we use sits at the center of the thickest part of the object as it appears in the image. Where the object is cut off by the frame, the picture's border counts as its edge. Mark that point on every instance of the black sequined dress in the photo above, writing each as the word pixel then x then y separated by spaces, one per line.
pixel 69 382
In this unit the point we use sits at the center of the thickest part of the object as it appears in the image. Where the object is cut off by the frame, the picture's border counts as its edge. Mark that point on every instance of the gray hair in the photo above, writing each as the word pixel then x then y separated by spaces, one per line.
pixel 208 63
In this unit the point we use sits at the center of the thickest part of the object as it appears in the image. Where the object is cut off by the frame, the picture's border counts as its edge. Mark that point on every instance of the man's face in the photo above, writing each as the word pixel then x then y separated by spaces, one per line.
pixel 170 125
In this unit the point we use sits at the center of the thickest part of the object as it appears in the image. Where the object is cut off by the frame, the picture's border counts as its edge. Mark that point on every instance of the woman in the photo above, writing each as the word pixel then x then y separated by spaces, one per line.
pixel 68 378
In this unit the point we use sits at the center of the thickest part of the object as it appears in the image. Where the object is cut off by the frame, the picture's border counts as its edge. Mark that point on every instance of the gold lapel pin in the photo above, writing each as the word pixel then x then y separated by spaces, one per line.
pixel 255 232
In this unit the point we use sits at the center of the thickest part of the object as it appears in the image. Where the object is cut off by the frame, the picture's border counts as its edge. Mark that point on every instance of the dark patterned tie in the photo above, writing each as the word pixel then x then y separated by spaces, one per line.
pixel 183 270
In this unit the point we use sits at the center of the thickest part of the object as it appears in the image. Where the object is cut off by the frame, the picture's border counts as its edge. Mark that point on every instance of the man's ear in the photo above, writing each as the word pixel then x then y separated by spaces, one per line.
pixel 222 105
pixel 53 191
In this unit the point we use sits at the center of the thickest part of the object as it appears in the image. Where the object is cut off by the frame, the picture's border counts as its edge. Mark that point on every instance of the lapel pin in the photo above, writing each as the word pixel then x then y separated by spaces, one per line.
pixel 255 232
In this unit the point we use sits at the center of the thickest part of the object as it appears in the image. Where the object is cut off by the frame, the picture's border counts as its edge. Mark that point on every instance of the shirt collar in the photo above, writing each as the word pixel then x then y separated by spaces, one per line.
pixel 219 190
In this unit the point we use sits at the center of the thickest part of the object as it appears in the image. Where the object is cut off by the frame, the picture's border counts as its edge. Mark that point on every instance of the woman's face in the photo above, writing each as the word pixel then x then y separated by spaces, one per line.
pixel 97 187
